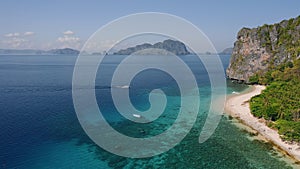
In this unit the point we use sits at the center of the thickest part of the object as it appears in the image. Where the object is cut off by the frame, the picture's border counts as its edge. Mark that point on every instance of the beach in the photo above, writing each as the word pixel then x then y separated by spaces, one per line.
pixel 237 106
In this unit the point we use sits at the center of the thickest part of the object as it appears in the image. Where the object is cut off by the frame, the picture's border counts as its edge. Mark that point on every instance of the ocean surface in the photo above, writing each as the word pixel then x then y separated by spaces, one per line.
pixel 39 127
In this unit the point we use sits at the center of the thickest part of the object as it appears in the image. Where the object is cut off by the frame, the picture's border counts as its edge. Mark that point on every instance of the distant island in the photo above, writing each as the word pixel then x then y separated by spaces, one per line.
pixel 176 47
pixel 65 51
pixel 227 51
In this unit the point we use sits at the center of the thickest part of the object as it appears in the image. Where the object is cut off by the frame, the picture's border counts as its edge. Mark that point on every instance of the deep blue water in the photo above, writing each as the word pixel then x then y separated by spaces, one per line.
pixel 39 127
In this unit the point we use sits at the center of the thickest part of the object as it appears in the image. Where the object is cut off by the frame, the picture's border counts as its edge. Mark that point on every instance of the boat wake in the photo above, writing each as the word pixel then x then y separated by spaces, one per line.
pixel 122 87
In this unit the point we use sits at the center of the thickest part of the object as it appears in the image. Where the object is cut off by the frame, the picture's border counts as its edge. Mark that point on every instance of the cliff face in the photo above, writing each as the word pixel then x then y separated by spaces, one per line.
pixel 176 47
pixel 257 50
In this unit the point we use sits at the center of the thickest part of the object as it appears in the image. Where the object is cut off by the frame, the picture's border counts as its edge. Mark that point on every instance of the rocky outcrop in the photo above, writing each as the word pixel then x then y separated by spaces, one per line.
pixel 176 47
pixel 257 50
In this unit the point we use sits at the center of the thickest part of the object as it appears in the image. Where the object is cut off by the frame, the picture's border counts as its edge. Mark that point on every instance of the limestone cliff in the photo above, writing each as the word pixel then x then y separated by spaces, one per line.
pixel 257 50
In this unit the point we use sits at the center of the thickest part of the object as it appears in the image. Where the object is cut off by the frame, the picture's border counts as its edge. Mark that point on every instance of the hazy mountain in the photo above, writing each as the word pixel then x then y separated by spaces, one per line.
pixel 65 51
pixel 176 47
pixel 227 51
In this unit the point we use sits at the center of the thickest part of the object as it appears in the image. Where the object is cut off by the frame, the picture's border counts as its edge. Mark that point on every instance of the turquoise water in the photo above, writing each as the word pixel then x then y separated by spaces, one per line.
pixel 39 128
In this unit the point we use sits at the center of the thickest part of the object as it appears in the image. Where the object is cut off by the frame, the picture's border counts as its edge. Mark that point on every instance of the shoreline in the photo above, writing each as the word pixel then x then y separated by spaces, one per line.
pixel 237 106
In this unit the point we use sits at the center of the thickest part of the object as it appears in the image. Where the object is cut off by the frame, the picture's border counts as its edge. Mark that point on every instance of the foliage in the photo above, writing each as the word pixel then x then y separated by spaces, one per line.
pixel 290 130
pixel 284 72
pixel 280 102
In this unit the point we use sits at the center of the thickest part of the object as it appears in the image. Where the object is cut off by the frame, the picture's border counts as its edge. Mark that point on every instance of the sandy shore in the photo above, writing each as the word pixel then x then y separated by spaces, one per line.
pixel 238 107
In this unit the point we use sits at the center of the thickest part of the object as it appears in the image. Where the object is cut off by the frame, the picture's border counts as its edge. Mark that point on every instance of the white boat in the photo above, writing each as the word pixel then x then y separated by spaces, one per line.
pixel 137 115
pixel 122 87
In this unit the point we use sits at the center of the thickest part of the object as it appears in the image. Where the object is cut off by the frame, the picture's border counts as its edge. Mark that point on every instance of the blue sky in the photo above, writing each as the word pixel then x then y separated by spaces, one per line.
pixel 56 24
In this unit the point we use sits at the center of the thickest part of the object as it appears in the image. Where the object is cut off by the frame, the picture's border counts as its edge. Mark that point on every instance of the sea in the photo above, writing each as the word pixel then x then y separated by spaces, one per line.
pixel 39 128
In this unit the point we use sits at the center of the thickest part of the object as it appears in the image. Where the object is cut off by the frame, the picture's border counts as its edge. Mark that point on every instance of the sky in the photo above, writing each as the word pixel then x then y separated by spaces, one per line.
pixel 36 24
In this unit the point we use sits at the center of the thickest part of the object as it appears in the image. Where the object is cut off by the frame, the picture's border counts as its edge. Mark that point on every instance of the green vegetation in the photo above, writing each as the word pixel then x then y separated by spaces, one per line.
pixel 264 35
pixel 279 104
pixel 284 72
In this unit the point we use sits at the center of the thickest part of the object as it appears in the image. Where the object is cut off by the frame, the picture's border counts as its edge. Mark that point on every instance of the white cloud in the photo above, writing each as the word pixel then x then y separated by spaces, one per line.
pixel 16 42
pixel 68 32
pixel 16 34
pixel 24 40
pixel 12 35
pixel 69 40
pixel 28 33
pixel 9 35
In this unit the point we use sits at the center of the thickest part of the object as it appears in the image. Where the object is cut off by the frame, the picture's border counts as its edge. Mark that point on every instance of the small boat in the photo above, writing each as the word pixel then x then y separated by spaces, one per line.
pixel 137 115
pixel 122 87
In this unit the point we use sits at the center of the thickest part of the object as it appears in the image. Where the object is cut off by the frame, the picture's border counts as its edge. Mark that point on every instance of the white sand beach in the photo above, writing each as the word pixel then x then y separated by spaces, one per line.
pixel 237 106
